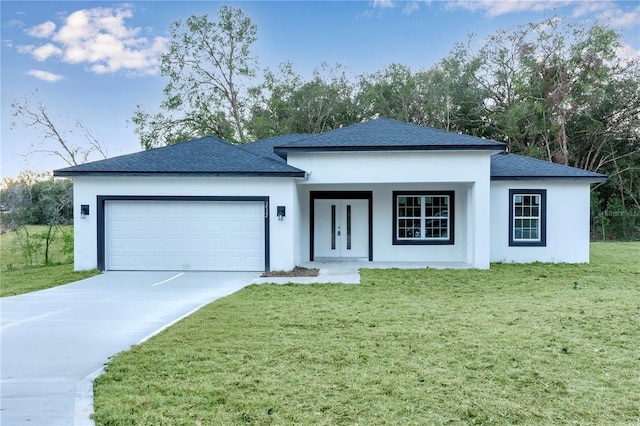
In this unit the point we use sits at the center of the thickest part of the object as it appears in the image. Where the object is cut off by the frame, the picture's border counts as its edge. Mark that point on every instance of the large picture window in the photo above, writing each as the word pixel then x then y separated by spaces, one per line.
pixel 527 217
pixel 423 217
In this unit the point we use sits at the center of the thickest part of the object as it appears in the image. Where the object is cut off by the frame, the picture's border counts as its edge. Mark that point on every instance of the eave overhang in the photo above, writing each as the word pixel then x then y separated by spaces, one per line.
pixel 586 179
pixel 72 174
pixel 283 151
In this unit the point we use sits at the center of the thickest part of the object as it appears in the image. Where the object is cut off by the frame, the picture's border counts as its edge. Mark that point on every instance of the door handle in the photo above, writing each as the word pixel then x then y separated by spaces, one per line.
pixel 338 231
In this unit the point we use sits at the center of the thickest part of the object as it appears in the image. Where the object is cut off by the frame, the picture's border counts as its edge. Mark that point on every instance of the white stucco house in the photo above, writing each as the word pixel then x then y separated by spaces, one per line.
pixel 381 190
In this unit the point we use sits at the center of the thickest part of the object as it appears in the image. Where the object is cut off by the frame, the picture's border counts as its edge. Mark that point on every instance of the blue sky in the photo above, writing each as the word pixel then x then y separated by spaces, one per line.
pixel 95 61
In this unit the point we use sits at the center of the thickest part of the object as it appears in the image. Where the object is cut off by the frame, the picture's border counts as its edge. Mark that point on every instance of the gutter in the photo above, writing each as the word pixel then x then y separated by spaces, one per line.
pixel 283 151
pixel 71 174
pixel 589 179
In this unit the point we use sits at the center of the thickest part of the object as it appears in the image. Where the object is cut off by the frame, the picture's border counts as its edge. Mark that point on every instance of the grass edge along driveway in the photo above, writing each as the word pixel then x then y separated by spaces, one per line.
pixel 518 344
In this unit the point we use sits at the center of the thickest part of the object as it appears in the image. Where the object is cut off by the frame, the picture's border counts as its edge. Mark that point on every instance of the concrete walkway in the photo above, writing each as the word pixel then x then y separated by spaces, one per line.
pixel 55 342
pixel 348 271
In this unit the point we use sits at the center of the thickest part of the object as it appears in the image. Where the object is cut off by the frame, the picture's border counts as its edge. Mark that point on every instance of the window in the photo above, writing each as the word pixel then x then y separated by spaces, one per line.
pixel 527 217
pixel 423 217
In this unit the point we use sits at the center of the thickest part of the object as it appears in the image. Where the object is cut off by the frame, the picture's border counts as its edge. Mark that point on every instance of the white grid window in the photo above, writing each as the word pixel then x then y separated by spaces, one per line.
pixel 527 217
pixel 423 217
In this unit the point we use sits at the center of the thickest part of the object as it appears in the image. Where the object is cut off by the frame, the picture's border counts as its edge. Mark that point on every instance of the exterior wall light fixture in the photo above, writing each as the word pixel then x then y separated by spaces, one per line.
pixel 84 211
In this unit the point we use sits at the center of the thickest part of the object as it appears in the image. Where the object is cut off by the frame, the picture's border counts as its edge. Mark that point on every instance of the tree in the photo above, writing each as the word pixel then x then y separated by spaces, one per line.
pixel 443 96
pixel 37 199
pixel 557 90
pixel 287 104
pixel 209 66
pixel 542 78
pixel 391 92
pixel 57 132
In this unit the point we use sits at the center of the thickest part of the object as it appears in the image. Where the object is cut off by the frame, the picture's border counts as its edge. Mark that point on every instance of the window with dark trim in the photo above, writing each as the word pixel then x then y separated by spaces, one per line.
pixel 528 217
pixel 423 217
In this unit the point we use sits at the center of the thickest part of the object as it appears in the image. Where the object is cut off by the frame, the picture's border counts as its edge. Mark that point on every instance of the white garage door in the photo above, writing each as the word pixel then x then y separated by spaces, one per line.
pixel 185 235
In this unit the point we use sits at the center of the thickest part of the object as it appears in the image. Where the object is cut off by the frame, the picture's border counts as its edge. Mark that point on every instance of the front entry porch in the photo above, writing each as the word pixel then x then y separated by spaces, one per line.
pixel 370 222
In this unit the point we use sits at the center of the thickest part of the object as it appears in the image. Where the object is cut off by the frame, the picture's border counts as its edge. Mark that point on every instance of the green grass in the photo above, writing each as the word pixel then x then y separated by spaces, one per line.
pixel 12 256
pixel 518 344
pixel 27 279
pixel 16 277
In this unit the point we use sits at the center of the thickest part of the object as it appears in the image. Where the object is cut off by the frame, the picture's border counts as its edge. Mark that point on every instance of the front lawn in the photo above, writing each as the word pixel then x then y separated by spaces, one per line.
pixel 519 344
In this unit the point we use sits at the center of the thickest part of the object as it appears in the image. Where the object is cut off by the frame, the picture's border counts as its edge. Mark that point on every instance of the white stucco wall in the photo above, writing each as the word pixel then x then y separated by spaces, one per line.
pixel 568 205
pixel 281 191
pixel 392 167
pixel 466 173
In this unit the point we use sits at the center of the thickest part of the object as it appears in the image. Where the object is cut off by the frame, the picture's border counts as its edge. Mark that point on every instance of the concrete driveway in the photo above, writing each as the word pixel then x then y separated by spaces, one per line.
pixel 56 341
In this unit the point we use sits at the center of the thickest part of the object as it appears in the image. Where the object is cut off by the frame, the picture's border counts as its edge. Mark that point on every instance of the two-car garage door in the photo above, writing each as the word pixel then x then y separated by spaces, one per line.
pixel 184 235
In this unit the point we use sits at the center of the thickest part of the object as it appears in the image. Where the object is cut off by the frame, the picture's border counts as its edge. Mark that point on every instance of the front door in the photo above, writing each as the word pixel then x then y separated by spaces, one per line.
pixel 341 228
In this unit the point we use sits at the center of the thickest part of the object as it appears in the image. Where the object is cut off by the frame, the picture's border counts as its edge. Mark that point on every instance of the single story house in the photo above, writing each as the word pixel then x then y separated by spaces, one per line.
pixel 381 190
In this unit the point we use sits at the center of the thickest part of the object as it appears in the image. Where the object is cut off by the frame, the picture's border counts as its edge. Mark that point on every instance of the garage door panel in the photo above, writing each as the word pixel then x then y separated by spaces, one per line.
pixel 252 245
pixel 214 226
pixel 194 227
pixel 184 235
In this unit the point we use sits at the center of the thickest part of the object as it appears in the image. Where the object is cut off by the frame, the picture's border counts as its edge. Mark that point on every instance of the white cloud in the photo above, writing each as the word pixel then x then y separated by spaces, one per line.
pixel 494 8
pixel 99 38
pixel 44 52
pixel 43 30
pixel 384 4
pixel 25 48
pixel 45 75
pixel 606 10
pixel 410 7
pixel 14 23
pixel 627 53
pixel 619 18
pixel 588 7
pixel 609 11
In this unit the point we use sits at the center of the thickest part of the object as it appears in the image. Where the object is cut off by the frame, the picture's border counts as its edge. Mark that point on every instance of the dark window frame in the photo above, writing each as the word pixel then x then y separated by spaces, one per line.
pixel 451 218
pixel 542 242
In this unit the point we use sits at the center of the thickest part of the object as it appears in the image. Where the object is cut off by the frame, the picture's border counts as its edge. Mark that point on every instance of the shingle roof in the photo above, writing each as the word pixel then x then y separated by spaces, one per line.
pixel 214 157
pixel 518 167
pixel 205 156
pixel 384 134
pixel 264 147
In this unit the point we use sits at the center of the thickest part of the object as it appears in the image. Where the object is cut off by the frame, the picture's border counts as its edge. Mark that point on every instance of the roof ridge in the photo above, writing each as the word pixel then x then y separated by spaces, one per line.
pixel 383 133
pixel 262 157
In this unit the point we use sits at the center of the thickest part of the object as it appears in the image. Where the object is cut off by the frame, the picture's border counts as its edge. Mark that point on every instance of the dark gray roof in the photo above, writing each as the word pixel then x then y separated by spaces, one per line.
pixel 518 167
pixel 213 157
pixel 384 134
pixel 264 147
pixel 205 156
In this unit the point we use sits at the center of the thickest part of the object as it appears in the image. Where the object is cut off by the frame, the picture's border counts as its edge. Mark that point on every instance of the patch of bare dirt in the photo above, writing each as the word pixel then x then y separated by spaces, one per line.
pixel 298 271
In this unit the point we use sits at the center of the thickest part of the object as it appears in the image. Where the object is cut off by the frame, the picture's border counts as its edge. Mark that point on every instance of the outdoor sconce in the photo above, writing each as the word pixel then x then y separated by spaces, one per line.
pixel 84 211
pixel 281 212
